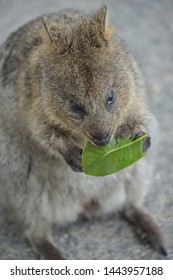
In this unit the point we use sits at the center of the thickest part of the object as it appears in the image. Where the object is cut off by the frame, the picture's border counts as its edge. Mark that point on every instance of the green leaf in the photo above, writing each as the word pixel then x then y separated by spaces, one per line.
pixel 101 161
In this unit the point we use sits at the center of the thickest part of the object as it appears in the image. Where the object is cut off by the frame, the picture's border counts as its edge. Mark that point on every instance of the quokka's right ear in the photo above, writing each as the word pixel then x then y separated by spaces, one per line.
pixel 45 23
pixel 50 26
pixel 58 33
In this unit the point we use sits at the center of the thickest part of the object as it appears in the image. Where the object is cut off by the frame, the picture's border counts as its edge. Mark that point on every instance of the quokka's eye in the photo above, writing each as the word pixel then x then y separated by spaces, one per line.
pixel 75 107
pixel 111 97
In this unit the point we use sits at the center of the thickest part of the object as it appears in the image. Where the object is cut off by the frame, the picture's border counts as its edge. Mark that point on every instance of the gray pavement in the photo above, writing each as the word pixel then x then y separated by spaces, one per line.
pixel 147 28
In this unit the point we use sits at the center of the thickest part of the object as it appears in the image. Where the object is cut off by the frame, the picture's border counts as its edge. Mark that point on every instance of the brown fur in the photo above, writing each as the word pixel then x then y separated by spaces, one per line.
pixel 146 228
pixel 46 65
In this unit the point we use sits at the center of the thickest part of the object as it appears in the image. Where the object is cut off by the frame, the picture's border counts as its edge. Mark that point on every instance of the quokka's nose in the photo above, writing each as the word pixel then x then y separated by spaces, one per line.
pixel 101 140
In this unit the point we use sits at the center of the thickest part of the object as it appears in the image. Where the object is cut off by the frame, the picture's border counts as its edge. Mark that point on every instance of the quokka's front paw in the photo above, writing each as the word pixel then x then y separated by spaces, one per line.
pixel 146 143
pixel 74 158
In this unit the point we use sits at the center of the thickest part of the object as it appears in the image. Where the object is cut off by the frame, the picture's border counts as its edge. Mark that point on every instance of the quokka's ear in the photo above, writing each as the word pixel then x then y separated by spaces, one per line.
pixel 49 26
pixel 100 18
pixel 58 33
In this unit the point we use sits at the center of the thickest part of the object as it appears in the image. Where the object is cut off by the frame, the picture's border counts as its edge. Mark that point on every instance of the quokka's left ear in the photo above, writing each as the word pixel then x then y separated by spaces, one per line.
pixel 100 18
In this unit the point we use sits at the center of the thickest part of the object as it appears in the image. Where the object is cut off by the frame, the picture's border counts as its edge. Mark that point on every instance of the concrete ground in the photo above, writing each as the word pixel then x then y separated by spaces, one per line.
pixel 147 28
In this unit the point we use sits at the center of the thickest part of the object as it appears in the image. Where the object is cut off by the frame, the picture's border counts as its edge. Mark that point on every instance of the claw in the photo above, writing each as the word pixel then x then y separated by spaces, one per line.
pixel 163 251
pixel 146 143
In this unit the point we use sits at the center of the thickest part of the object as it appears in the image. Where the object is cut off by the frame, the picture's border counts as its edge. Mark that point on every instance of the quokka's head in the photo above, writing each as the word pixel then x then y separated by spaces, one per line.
pixel 86 84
